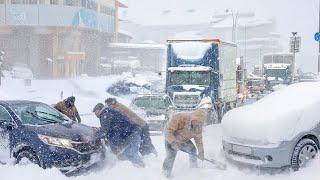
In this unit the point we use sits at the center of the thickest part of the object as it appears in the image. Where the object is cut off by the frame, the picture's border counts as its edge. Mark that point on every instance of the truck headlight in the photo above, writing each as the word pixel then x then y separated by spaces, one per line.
pixel 60 142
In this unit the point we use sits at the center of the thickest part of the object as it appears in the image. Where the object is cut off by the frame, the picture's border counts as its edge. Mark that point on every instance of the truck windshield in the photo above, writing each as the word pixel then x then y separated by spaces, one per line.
pixel 38 114
pixel 190 78
pixel 280 73
pixel 151 103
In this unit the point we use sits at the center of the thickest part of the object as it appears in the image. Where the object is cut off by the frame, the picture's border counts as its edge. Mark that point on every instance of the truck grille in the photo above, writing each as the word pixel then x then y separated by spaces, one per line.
pixel 186 101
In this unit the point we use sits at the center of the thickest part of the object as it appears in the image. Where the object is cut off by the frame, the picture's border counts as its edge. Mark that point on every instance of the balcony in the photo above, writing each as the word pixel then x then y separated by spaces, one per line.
pixel 55 15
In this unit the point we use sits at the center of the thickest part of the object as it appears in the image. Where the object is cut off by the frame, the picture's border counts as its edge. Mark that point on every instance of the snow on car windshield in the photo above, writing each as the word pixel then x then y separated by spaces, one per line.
pixel 277 117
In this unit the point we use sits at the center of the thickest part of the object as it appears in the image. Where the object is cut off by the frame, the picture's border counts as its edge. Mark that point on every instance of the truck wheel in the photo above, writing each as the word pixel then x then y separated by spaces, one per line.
pixel 305 150
pixel 27 157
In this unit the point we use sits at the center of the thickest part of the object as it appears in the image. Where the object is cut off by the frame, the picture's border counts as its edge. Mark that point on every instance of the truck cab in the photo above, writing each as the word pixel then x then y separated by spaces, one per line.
pixel 198 69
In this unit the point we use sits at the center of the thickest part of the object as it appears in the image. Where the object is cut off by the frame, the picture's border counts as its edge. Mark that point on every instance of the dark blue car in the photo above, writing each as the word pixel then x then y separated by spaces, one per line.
pixel 35 132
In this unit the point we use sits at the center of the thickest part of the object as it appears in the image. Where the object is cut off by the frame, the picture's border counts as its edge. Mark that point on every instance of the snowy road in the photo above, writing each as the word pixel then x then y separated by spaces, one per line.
pixel 89 91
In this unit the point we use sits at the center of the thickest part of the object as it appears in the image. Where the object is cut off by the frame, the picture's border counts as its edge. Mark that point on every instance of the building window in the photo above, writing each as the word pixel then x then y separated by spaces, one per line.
pixel 71 2
pixel 24 1
pixel 107 10
pixel 55 2
pixel 89 4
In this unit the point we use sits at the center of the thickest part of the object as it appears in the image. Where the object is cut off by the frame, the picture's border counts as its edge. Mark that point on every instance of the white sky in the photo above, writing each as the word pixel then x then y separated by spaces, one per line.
pixel 291 15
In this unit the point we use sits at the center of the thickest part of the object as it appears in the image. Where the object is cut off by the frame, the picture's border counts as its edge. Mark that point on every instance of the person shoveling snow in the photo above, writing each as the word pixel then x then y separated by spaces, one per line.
pixel 181 128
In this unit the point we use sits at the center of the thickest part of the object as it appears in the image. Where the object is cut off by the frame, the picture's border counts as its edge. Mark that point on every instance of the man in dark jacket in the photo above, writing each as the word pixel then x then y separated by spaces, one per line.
pixel 68 108
pixel 146 146
pixel 123 136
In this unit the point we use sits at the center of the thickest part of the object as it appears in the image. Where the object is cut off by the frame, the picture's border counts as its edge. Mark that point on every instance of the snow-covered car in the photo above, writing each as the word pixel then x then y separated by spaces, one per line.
pixel 37 133
pixel 22 72
pixel 308 77
pixel 156 108
pixel 126 88
pixel 280 130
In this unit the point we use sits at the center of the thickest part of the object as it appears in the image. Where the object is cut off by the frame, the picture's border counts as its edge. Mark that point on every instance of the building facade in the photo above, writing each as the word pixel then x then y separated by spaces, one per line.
pixel 254 36
pixel 57 38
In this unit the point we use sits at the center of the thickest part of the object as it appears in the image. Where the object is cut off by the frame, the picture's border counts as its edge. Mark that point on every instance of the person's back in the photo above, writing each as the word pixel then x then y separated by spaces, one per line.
pixel 146 146
pixel 118 128
pixel 127 112
pixel 123 135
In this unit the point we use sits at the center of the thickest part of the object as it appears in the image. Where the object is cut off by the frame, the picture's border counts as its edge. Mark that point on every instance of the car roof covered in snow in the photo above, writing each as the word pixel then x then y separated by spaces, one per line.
pixel 14 102
pixel 280 116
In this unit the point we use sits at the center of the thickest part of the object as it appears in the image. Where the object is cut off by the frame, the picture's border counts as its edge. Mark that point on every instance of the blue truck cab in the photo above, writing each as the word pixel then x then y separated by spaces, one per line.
pixel 34 132
pixel 202 69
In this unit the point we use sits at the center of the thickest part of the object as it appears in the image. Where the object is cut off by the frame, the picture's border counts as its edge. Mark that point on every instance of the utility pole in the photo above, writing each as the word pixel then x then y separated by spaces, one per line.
pixel 245 45
pixel 319 43
pixel 294 55
pixel 234 23
pixel 1 62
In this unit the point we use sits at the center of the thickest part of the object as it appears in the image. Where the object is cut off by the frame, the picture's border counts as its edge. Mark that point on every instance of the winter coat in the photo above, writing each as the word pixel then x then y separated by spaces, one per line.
pixel 72 112
pixel 178 129
pixel 129 113
pixel 118 129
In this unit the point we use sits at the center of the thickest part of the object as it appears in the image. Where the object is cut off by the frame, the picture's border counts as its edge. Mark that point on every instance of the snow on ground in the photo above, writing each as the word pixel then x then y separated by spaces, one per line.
pixel 88 92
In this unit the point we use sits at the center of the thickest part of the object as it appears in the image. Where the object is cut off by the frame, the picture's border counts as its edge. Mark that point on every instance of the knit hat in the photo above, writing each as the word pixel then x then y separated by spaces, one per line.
pixel 99 106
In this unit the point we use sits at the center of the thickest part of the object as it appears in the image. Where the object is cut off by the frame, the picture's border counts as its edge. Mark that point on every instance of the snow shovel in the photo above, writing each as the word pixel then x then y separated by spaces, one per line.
pixel 217 164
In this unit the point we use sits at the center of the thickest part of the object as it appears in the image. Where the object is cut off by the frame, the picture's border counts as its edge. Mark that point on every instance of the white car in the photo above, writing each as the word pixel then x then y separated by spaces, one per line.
pixel 280 130
pixel 21 72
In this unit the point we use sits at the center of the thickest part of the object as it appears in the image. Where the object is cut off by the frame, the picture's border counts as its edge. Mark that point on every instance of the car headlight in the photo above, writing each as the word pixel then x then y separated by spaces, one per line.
pixel 60 142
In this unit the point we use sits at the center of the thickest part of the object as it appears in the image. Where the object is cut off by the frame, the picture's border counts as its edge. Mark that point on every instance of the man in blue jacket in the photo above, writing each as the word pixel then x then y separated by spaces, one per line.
pixel 123 136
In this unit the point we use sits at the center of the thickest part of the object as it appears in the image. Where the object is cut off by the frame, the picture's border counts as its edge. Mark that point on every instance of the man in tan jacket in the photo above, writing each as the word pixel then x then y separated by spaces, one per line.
pixel 180 129
pixel 68 108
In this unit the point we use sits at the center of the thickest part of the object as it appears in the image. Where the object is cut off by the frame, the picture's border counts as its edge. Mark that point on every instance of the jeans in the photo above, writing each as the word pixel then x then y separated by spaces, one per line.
pixel 131 152
pixel 172 153
pixel 146 146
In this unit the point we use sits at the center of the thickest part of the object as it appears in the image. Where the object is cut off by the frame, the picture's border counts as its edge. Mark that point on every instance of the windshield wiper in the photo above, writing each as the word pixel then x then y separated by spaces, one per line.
pixel 59 117
pixel 42 118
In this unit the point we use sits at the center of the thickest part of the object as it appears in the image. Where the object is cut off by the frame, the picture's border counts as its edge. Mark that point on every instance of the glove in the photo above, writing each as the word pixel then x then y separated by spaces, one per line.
pixel 176 146
pixel 201 156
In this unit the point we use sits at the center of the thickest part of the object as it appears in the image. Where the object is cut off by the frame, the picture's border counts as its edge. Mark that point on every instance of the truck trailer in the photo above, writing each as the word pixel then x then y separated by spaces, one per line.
pixel 202 70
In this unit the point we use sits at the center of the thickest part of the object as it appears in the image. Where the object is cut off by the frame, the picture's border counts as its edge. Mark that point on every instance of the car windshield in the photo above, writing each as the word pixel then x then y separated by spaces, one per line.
pixel 38 114
pixel 151 103
pixel 190 77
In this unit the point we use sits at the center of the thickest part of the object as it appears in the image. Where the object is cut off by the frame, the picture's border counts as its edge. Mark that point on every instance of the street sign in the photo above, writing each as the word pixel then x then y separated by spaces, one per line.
pixel 317 36
pixel 295 44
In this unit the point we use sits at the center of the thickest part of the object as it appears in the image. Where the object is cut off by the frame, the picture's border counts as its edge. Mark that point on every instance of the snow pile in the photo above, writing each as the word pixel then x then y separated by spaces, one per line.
pixel 277 117
pixel 190 50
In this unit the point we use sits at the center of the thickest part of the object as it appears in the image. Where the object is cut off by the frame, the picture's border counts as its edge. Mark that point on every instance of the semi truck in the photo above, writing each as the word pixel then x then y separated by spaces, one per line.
pixel 278 68
pixel 202 70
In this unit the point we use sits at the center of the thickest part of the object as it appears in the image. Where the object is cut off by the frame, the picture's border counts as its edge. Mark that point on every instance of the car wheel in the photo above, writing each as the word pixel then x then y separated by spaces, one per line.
pixel 305 150
pixel 27 157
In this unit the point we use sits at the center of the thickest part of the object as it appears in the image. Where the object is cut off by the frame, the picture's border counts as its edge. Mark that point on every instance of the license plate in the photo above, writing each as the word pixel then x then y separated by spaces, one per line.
pixel 242 149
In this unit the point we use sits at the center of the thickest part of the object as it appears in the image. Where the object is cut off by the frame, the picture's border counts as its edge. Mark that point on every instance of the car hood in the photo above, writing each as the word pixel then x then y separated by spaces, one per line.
pixel 278 117
pixel 73 131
